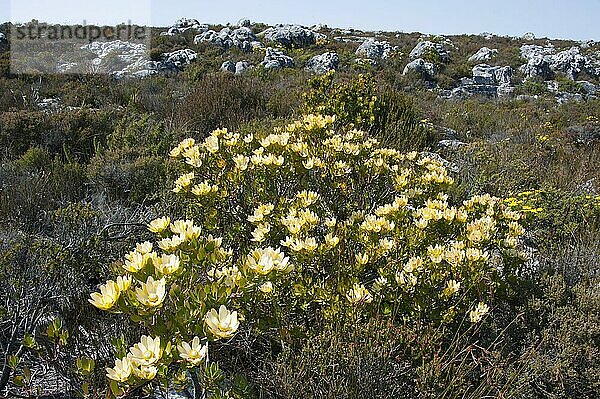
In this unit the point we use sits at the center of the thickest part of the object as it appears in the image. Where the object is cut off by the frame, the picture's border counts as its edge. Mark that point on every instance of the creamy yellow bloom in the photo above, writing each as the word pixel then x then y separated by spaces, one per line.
pixel 144 247
pixel 241 162
pixel 452 288
pixel 362 258
pixel 136 261
pixel 264 261
pixel 152 293
pixel 222 324
pixel 266 288
pixel 145 372
pixel 194 352
pixel 167 264
pixel 146 352
pixel 359 294
pixel 107 297
pixel 171 244
pixel 159 225
pixel 413 264
pixel 477 314
pixel 310 244
pixel 331 241
pixel 436 254
pixel 124 282
pixel 212 144
pixel 184 182
pixel 121 371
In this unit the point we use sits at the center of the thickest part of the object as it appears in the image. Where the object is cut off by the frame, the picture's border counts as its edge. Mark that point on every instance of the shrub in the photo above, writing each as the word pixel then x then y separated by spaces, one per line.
pixel 365 230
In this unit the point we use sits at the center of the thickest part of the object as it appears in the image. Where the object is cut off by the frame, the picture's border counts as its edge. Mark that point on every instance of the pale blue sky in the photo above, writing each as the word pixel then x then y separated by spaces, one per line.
pixel 572 19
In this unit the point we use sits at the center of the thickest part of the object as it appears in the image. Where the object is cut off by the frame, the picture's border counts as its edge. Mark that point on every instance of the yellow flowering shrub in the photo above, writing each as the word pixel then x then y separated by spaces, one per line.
pixel 303 224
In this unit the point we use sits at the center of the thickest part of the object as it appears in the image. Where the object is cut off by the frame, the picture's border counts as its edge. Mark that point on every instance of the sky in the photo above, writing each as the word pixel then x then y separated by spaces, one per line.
pixel 566 19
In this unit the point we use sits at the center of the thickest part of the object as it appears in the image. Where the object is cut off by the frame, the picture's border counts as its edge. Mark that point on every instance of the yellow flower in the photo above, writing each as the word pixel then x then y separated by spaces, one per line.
pixel 436 254
pixel 212 144
pixel 121 371
pixel 359 294
pixel 167 264
pixel 331 241
pixel 124 282
pixel 477 314
pixel 152 293
pixel 413 264
pixel 107 297
pixel 452 288
pixel 194 352
pixel 222 324
pixel 266 288
pixel 145 372
pixel 159 225
pixel 144 247
pixel 146 352
pixel 362 259
pixel 263 261
pixel 136 261
pixel 241 162
pixel 184 182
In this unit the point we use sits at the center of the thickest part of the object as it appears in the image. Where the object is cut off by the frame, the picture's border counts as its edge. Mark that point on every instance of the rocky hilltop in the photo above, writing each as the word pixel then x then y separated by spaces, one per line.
pixel 451 66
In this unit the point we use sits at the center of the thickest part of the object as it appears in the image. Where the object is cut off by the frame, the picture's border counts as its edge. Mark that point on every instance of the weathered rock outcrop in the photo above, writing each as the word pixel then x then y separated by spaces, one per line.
pixel 425 48
pixel 183 25
pixel 483 55
pixel 276 59
pixel 323 63
pixel 544 62
pixel 424 69
pixel 242 38
pixel 292 35
pixel 374 50
pixel 180 58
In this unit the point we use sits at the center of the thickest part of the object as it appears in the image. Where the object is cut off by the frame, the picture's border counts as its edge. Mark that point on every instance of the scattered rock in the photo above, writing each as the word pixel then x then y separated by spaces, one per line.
pixel 228 66
pixel 292 35
pixel 425 69
pixel 244 23
pixel 424 48
pixel 529 36
pixel 484 74
pixel 489 81
pixel 484 54
pixel 3 39
pixel 538 66
pixel 183 25
pixel 242 38
pixel 323 63
pixel 276 59
pixel 487 35
pixel 452 145
pixel 180 58
pixel 589 88
pixel 569 62
pixel 374 50
pixel 49 103
pixel 543 62
pixel 585 134
pixel 241 67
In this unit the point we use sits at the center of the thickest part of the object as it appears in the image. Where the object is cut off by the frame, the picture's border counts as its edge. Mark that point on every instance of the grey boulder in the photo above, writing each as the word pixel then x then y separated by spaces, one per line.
pixel 426 47
pixel 180 58
pixel 276 59
pixel 292 36
pixel 421 67
pixel 484 54
pixel 228 66
pixel 242 38
pixel 374 50
pixel 323 63
pixel 484 74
